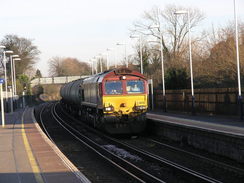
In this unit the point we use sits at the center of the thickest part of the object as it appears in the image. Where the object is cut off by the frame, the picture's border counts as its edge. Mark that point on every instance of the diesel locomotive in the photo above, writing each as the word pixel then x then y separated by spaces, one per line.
pixel 115 101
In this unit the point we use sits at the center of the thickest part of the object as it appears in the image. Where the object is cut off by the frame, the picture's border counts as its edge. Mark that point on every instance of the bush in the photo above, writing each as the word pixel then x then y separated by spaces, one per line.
pixel 176 79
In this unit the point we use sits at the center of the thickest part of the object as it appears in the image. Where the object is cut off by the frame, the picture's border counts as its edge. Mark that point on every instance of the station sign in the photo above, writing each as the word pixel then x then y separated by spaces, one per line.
pixel 1 80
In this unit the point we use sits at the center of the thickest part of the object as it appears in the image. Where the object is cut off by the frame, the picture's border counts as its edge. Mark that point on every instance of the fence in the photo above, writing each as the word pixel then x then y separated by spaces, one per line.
pixel 214 100
pixel 21 102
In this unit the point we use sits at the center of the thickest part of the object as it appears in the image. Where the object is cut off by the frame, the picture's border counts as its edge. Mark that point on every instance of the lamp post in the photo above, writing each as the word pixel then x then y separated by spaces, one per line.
pixel 238 62
pixel 126 61
pixel 107 59
pixel 183 12
pixel 2 51
pixel 11 99
pixel 162 65
pixel 5 74
pixel 13 73
pixel 12 83
pixel 92 66
pixel 15 88
pixel 117 58
pixel 1 93
pixel 14 57
pixel 100 61
pixel 140 40
pixel 94 62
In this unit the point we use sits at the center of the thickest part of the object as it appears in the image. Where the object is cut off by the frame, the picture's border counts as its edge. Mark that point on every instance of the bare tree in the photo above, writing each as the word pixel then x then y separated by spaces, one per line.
pixel 67 67
pixel 218 66
pixel 173 28
pixel 55 66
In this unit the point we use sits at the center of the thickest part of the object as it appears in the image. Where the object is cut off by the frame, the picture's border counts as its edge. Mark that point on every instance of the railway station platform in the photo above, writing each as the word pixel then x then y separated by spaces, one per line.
pixel 28 156
pixel 223 124
pixel 222 136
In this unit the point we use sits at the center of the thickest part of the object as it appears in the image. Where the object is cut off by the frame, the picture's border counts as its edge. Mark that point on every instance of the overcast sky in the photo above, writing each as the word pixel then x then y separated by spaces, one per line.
pixel 83 29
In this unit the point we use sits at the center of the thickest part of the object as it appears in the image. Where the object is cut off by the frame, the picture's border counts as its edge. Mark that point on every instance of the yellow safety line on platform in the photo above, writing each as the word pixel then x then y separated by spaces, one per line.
pixel 31 157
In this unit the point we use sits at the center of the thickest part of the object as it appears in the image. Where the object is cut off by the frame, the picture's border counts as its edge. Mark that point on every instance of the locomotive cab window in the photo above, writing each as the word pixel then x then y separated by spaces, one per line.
pixel 135 86
pixel 113 87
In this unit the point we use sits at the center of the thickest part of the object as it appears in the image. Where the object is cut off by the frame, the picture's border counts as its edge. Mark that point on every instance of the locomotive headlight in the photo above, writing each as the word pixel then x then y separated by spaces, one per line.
pixel 108 109
pixel 142 107
pixel 123 77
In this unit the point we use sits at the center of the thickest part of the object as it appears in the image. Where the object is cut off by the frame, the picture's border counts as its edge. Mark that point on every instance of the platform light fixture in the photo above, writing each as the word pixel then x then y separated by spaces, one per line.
pixel 5 70
pixel 2 106
pixel 107 57
pixel 162 64
pixel 186 12
pixel 126 60
pixel 14 73
pixel 91 61
pixel 99 57
pixel 238 62
pixel 14 57
pixel 140 42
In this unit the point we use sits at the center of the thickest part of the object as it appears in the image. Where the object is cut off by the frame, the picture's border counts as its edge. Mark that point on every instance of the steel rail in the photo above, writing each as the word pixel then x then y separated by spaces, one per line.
pixel 217 163
pixel 42 123
pixel 200 177
pixel 124 165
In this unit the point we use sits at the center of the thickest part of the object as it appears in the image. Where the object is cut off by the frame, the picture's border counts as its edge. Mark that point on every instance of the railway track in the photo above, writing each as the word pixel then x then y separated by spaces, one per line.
pixel 43 126
pixel 147 167
pixel 199 157
pixel 77 152
pixel 213 168
pixel 127 167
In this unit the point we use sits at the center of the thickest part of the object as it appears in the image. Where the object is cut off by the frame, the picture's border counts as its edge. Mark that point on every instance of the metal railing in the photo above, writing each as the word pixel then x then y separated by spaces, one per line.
pixel 55 80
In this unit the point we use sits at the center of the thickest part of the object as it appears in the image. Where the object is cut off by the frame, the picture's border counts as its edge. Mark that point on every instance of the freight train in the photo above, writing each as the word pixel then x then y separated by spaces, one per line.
pixel 115 101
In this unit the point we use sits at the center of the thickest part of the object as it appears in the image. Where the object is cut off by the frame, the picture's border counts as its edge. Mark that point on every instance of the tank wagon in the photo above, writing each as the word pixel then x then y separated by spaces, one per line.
pixel 115 101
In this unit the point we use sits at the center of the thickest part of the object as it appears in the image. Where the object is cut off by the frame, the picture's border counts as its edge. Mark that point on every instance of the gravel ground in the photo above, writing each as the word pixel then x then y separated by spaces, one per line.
pixel 210 169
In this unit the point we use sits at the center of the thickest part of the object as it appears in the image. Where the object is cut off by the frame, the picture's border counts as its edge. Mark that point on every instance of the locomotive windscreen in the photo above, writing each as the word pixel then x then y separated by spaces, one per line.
pixel 135 86
pixel 113 87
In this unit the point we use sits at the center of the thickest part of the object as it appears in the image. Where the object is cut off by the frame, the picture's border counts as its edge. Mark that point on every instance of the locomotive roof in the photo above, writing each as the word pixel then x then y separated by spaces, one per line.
pixel 120 71
pixel 100 76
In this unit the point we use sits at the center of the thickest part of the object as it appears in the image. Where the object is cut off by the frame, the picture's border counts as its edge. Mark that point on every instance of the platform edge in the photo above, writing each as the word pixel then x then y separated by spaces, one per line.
pixel 65 160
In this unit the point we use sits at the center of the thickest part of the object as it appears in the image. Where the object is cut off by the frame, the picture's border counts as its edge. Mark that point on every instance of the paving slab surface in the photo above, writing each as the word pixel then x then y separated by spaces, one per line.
pixel 223 124
pixel 26 156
